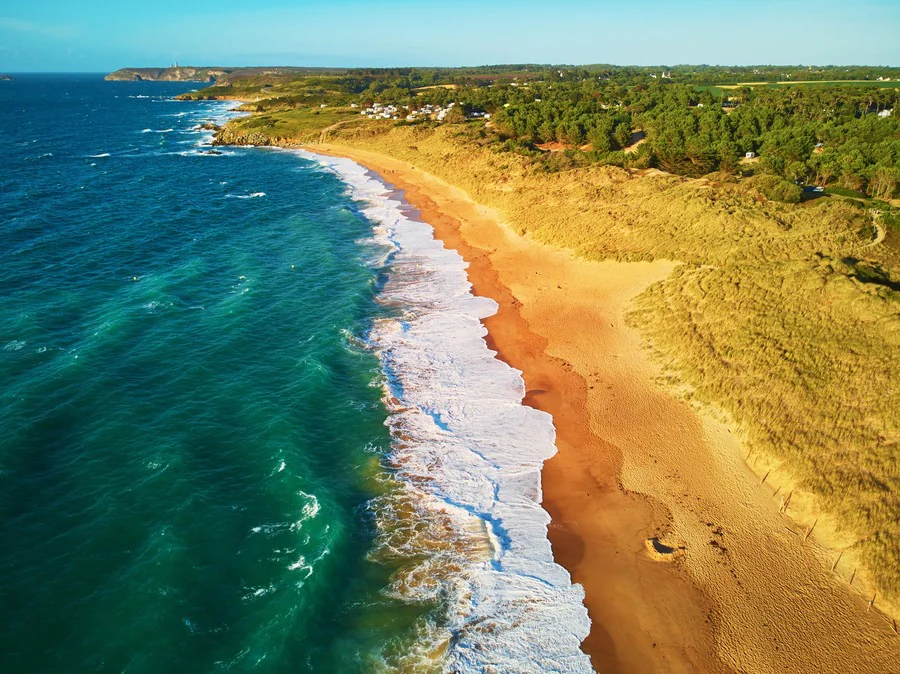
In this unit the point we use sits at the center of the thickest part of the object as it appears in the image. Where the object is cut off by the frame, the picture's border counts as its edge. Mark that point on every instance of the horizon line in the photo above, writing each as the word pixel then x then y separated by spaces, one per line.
pixel 458 67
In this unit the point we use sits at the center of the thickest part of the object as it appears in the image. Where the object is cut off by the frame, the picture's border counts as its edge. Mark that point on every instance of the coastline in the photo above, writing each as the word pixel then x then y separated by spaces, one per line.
pixel 467 453
pixel 624 475
pixel 596 533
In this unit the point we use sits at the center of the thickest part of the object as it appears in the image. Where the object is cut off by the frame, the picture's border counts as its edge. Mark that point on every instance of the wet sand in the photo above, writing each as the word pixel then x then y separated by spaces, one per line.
pixel 730 584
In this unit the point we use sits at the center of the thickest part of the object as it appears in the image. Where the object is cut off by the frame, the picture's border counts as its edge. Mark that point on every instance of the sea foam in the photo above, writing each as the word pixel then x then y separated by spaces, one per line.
pixel 252 195
pixel 468 455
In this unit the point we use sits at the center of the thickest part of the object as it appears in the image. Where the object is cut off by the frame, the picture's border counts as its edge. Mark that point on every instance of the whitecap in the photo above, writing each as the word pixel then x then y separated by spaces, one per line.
pixel 14 345
pixel 257 592
pixel 310 509
pixel 301 565
pixel 468 456
pixel 97 156
pixel 254 195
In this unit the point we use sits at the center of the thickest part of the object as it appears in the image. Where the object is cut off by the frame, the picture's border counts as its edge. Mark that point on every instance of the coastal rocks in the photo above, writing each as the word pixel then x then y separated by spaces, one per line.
pixel 228 136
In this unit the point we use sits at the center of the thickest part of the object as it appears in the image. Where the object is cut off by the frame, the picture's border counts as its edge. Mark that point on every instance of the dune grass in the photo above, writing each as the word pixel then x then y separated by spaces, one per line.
pixel 803 355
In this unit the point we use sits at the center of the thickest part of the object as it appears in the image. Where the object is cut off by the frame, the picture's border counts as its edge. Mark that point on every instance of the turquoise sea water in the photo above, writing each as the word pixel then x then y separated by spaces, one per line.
pixel 248 420
pixel 188 435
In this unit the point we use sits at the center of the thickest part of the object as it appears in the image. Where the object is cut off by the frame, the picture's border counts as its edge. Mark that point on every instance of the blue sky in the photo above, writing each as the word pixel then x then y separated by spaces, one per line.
pixel 92 35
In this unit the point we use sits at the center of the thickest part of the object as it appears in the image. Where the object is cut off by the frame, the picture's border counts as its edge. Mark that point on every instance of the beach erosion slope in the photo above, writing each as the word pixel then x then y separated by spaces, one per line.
pixel 648 470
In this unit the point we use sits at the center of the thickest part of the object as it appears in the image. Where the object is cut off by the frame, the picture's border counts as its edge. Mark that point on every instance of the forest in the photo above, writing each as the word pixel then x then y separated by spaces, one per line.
pixel 807 135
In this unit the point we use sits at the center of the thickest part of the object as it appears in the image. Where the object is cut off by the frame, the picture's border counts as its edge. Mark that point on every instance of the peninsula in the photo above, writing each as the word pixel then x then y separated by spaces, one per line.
pixel 208 74
pixel 698 270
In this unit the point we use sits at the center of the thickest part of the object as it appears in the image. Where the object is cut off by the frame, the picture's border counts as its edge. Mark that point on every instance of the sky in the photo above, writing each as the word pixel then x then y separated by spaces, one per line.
pixel 98 36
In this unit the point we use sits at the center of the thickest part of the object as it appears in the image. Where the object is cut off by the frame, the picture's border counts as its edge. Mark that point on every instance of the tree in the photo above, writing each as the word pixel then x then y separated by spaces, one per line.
pixel 825 168
pixel 622 134
pixel 797 170
pixel 600 137
pixel 455 115
pixel 884 181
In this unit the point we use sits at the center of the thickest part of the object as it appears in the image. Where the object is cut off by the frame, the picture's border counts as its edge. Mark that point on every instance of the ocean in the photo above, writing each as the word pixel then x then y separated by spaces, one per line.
pixel 248 419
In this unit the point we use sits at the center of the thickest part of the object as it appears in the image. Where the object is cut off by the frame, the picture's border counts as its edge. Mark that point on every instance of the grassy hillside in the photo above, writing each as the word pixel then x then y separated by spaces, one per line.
pixel 819 132
pixel 285 127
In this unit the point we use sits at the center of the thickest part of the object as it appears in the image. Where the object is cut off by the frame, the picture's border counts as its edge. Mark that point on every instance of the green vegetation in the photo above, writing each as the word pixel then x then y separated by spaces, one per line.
pixel 814 132
pixel 285 127
pixel 844 192
pixel 810 135
pixel 776 189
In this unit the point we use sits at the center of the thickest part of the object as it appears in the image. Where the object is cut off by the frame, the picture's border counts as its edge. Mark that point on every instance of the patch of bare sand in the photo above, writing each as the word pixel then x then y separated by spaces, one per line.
pixel 637 139
pixel 553 146
pixel 746 593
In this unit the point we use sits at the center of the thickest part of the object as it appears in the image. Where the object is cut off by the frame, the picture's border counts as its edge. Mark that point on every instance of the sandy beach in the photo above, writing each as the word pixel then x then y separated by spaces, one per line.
pixel 686 561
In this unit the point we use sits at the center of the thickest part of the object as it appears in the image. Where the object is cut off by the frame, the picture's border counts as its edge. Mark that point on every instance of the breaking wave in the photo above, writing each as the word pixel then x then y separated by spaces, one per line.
pixel 464 525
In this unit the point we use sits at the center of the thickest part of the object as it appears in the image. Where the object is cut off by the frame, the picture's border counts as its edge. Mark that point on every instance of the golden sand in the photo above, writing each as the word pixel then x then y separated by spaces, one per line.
pixel 686 561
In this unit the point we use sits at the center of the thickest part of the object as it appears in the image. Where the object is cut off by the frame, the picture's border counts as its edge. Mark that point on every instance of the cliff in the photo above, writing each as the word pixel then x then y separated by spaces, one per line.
pixel 177 74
